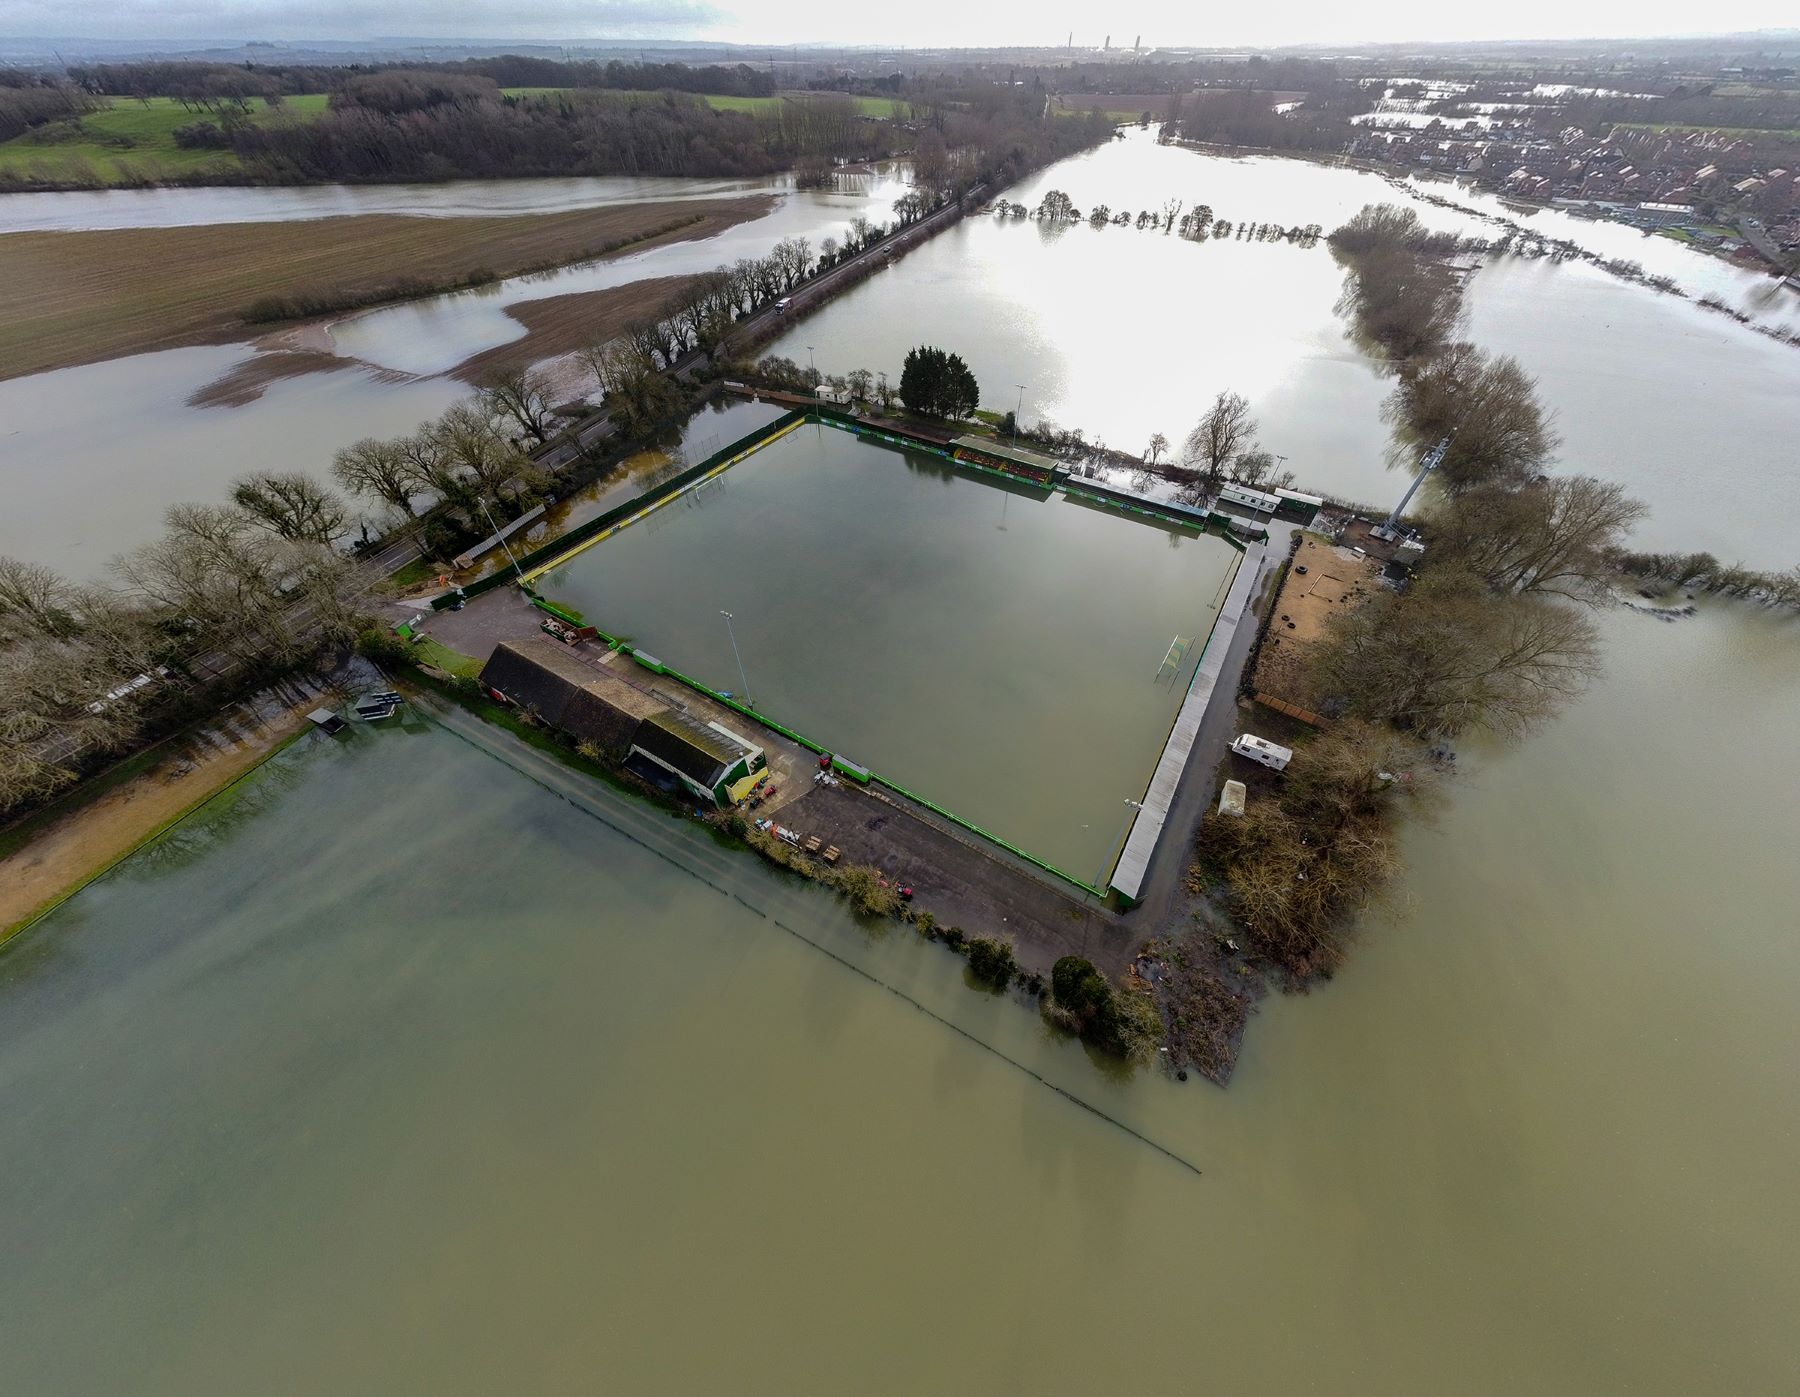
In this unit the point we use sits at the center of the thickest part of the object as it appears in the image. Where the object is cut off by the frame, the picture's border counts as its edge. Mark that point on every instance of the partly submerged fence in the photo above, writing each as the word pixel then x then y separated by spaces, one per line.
pixel 539 559
pixel 529 566
pixel 550 555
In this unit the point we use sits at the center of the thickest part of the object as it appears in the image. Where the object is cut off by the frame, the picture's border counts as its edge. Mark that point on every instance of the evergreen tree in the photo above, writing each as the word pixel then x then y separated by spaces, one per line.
pixel 938 384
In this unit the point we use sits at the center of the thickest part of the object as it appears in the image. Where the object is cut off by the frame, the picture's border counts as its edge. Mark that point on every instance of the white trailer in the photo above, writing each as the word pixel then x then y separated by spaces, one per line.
pixel 1260 749
pixel 1256 501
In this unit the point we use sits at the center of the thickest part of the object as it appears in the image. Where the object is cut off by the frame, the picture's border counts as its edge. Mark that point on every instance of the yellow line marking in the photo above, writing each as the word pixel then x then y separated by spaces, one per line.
pixel 658 503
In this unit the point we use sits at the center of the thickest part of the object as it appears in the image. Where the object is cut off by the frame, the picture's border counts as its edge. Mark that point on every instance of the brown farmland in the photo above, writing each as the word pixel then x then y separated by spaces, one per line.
pixel 73 298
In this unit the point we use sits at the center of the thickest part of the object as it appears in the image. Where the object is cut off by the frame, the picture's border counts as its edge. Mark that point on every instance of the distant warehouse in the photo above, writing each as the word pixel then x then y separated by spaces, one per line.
pixel 628 723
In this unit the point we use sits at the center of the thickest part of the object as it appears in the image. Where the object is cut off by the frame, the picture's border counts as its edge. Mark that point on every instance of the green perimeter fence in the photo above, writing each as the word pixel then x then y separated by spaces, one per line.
pixel 549 552
pixel 840 763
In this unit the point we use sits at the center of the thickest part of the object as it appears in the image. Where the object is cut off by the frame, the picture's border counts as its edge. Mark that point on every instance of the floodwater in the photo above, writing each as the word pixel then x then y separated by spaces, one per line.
pixel 402 1072
pixel 993 651
pixel 1125 333
pixel 1698 416
pixel 90 457
pixel 98 451
pixel 193 208
pixel 438 333
pixel 1118 332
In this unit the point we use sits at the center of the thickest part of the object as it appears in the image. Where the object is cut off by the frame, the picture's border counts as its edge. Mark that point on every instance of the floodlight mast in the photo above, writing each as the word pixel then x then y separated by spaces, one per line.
pixel 1433 459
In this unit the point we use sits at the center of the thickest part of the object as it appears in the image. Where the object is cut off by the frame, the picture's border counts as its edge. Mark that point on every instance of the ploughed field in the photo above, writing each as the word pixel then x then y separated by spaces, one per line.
pixel 986 648
pixel 76 297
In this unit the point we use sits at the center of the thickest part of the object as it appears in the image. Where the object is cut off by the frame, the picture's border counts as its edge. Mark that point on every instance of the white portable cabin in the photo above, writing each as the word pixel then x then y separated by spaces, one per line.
pixel 1260 749
pixel 1245 498
pixel 1231 798
pixel 1299 502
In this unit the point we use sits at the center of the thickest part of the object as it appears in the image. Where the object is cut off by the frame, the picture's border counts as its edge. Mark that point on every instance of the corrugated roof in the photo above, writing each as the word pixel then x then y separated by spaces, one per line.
pixel 586 701
pixel 537 673
pixel 703 754
pixel 1005 451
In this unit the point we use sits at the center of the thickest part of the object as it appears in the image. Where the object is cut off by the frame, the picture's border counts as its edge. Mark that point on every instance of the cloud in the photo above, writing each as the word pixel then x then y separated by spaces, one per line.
pixel 362 19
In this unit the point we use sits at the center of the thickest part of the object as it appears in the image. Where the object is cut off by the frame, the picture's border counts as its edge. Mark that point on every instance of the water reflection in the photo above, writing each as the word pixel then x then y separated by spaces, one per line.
pixel 1125 333
pixel 331 1078
pixel 91 456
pixel 431 336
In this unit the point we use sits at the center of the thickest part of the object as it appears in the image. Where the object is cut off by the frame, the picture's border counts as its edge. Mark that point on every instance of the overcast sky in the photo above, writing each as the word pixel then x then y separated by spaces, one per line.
pixel 915 22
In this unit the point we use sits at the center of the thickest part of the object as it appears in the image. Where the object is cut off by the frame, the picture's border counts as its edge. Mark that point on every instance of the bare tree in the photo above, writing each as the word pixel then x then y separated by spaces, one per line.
pixel 377 470
pixel 638 396
pixel 523 395
pixel 291 505
pixel 474 446
pixel 429 467
pixel 1553 536
pixel 1488 407
pixel 1171 210
pixel 241 589
pixel 1154 451
pixel 1451 655
pixel 1256 469
pixel 35 599
pixel 1218 437
pixel 58 698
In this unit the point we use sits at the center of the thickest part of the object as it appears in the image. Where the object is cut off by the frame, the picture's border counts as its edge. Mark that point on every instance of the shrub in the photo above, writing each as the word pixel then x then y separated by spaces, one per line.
pixel 1121 1021
pixel 867 893
pixel 1078 987
pixel 953 938
pixel 991 961
pixel 927 925
pixel 382 646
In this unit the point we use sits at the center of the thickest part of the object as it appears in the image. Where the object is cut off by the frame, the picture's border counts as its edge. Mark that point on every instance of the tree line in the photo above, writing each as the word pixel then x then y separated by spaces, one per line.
pixel 1197 222
pixel 84 668
pixel 202 82
pixel 256 585
pixel 464 134
pixel 26 105
pixel 1492 634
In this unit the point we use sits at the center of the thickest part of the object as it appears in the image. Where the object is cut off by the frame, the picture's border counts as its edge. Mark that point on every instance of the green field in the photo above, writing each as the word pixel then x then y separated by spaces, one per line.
pixel 134 139
pixel 1791 133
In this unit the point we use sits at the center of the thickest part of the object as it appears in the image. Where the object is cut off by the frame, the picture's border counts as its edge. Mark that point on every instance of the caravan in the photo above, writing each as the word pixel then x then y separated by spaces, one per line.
pixel 1260 749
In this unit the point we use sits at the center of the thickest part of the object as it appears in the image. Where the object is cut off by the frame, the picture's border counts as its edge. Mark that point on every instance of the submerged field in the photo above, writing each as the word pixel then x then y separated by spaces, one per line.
pixel 988 649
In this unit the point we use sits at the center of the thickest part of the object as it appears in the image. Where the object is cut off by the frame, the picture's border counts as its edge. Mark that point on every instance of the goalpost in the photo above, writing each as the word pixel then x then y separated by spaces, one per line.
pixel 1172 661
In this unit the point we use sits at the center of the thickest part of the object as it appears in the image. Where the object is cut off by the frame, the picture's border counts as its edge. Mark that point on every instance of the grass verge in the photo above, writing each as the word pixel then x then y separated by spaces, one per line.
pixel 93 791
